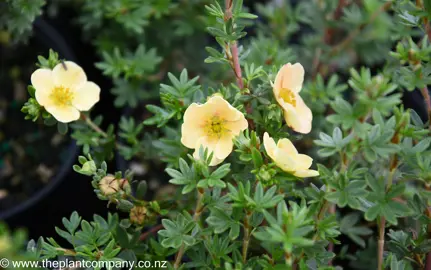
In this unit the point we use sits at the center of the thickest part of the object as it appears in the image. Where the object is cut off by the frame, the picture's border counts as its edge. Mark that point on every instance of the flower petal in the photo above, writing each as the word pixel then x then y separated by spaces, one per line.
pixel 206 142
pixel 292 120
pixel 284 161
pixel 237 126
pixel 42 81
pixel 223 109
pixel 300 118
pixel 69 74
pixel 287 146
pixel 306 116
pixel 303 162
pixel 223 148
pixel 86 96
pixel 306 173
pixel 289 77
pixel 269 145
pixel 64 114
pixel 284 105
pixel 192 128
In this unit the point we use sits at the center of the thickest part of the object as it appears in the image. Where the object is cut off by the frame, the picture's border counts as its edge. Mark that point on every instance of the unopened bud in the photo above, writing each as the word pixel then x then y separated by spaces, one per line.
pixel 89 167
pixel 109 185
pixel 138 214
pixel 264 175
pixel 124 185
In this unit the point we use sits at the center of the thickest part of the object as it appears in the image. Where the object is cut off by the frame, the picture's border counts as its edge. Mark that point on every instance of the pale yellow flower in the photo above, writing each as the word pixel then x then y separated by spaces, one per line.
pixel 287 158
pixel 212 125
pixel 287 85
pixel 65 91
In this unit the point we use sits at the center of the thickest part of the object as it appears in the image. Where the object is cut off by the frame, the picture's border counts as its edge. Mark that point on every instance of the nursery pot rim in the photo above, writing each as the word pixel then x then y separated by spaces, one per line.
pixel 50 37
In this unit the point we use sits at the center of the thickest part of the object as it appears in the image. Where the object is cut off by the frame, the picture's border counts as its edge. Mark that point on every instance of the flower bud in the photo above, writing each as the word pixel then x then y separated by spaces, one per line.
pixel 89 168
pixel 138 214
pixel 109 185
pixel 124 185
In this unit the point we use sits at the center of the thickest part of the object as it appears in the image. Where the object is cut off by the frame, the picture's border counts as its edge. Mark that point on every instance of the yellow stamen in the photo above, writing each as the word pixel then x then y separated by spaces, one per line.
pixel 61 96
pixel 215 127
pixel 288 96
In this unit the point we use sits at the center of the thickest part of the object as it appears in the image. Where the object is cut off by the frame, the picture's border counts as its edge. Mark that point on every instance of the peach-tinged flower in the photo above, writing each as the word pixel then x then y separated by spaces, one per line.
pixel 287 85
pixel 287 158
pixel 65 91
pixel 212 125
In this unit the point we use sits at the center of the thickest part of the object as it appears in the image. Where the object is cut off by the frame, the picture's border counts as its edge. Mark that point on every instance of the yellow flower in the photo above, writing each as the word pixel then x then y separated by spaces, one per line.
pixel 212 125
pixel 286 157
pixel 65 91
pixel 287 85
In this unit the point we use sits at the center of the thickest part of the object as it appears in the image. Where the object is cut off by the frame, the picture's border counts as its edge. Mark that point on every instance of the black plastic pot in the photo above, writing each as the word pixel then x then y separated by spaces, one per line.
pixel 46 35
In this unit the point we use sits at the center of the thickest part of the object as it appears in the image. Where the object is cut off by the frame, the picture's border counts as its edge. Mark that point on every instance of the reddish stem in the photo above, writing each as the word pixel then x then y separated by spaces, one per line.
pixel 426 95
pixel 381 247
pixel 151 231
pixel 428 214
pixel 236 65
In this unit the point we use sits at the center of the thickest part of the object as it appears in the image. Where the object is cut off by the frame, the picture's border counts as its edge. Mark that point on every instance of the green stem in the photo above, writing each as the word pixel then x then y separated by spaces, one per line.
pixel 381 245
pixel 96 128
pixel 288 259
pixel 179 256
pixel 427 99
pixel 196 216
pixel 353 34
pixel 382 222
pixel 93 126
pixel 247 234
pixel 320 216
pixel 428 214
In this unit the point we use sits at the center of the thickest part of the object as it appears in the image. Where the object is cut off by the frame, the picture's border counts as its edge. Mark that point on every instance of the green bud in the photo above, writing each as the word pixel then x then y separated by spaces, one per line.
pixel 141 190
pixel 155 206
pixel 88 168
pixel 125 205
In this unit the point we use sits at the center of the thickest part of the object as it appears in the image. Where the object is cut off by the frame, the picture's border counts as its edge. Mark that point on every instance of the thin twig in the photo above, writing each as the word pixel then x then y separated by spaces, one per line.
pixel 329 32
pixel 427 98
pixel 382 223
pixel 150 232
pixel 96 128
pixel 381 245
pixel 92 125
pixel 426 95
pixel 316 62
pixel 343 44
pixel 198 211
pixel 247 233
pixel 237 67
pixel 233 47
pixel 320 216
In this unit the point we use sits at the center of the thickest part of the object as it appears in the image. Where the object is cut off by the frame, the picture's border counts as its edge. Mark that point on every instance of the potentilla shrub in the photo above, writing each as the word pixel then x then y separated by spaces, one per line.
pixel 248 194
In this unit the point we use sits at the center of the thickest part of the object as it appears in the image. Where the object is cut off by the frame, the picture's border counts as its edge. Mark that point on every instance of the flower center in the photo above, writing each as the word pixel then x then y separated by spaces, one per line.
pixel 288 96
pixel 61 96
pixel 215 127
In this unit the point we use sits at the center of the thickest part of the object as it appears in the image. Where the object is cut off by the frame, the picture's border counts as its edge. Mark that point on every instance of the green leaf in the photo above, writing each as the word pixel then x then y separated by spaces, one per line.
pixel 62 128
pixel 257 158
pixel 141 190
